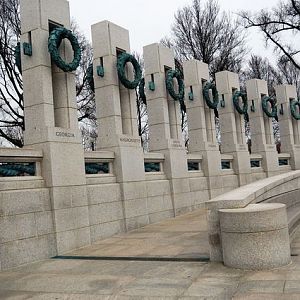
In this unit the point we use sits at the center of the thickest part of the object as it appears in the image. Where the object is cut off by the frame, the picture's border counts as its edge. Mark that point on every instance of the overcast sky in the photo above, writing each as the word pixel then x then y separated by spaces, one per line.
pixel 149 21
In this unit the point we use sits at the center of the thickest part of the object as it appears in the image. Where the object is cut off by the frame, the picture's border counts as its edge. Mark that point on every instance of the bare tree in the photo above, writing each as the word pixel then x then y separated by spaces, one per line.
pixel 201 31
pixel 142 119
pixel 85 94
pixel 261 68
pixel 278 25
pixel 89 137
pixel 11 84
pixel 141 103
pixel 288 72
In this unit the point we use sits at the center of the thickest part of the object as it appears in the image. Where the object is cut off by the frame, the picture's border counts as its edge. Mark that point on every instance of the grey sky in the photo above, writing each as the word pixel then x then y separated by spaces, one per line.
pixel 149 21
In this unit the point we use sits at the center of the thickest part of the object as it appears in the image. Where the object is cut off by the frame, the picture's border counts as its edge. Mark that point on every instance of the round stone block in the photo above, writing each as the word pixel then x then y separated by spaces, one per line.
pixel 254 218
pixel 255 237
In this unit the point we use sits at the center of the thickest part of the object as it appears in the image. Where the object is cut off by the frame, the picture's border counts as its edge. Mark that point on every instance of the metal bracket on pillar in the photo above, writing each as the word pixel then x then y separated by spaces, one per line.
pixel 191 94
pixel 222 102
pixel 281 109
pixel 151 86
pixel 100 71
pixel 252 107
pixel 27 49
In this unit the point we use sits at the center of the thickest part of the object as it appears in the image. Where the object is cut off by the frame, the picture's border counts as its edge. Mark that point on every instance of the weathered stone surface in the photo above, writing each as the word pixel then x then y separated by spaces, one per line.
pixel 255 237
pixel 254 218
pixel 256 251
pixel 20 252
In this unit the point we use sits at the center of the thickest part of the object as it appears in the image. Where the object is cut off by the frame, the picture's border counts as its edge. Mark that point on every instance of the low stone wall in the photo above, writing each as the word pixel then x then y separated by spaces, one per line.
pixel 199 191
pixel 105 208
pixel 26 222
pixel 159 200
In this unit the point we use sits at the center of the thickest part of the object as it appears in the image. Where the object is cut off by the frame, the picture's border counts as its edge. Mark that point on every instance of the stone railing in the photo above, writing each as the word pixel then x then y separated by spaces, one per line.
pixel 154 165
pixel 226 163
pixel 194 162
pixel 153 162
pixel 15 162
pixel 284 161
pixel 256 162
pixel 99 166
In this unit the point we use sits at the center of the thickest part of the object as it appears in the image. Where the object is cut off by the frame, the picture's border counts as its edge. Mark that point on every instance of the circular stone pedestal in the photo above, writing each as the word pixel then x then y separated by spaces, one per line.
pixel 255 237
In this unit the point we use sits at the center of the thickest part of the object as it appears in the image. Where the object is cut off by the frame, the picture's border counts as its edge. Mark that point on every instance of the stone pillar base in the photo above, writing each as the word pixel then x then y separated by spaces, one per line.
pixel 255 237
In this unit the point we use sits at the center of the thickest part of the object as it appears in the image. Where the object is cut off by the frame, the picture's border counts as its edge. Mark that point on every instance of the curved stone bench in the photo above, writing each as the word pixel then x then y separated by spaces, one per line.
pixel 255 237
pixel 292 202
pixel 293 219
pixel 283 188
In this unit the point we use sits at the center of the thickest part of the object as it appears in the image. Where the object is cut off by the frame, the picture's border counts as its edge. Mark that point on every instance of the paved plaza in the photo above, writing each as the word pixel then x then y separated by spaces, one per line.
pixel 166 260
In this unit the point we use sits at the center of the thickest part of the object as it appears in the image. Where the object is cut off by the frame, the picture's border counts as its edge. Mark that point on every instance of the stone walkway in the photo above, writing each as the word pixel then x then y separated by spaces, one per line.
pixel 181 239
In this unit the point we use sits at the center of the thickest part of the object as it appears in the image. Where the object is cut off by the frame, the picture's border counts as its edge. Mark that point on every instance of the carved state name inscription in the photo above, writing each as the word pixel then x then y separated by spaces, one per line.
pixel 176 144
pixel 129 140
pixel 65 134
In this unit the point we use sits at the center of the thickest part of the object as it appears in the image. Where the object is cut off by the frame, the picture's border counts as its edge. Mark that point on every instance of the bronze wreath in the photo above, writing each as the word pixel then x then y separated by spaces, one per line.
pixel 123 59
pixel 54 41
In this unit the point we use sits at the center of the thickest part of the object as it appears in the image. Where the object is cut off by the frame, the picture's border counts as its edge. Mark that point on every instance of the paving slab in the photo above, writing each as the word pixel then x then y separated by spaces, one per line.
pixel 265 296
pixel 261 286
pixel 292 286
pixel 213 287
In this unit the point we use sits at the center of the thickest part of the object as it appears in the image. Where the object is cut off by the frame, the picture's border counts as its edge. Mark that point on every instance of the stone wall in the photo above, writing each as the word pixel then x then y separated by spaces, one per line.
pixel 26 222
pixel 105 209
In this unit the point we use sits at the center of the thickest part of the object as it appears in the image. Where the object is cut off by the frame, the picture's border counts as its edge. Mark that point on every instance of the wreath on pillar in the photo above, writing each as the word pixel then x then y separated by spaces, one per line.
pixel 273 103
pixel 241 110
pixel 211 104
pixel 122 60
pixel 171 74
pixel 293 106
pixel 55 38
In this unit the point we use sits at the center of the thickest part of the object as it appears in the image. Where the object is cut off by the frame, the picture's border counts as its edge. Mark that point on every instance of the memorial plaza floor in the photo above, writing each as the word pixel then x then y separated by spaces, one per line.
pixel 167 260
